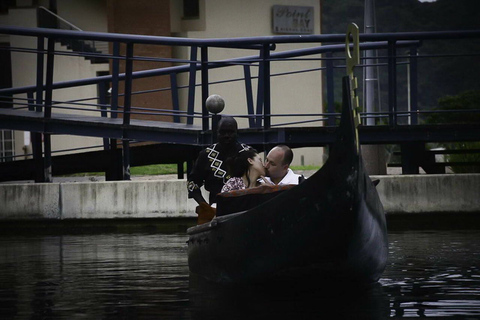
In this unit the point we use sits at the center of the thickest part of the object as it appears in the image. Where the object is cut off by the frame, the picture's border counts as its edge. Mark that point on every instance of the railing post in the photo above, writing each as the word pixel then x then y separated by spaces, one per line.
pixel 175 99
pixel 392 83
pixel 191 84
pixel 40 59
pixel 260 92
pixel 249 95
pixel 47 111
pixel 204 71
pixel 266 86
pixel 330 89
pixel 128 84
pixel 49 78
pixel 413 97
pixel 37 136
pixel 127 109
pixel 114 173
pixel 115 74
pixel 103 101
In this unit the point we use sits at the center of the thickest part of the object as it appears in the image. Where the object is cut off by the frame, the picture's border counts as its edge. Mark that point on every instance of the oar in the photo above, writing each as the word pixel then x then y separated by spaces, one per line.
pixel 205 213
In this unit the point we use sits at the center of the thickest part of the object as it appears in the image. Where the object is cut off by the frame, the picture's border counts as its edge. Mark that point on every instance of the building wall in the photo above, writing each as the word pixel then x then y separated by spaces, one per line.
pixel 66 68
pixel 88 15
pixel 144 17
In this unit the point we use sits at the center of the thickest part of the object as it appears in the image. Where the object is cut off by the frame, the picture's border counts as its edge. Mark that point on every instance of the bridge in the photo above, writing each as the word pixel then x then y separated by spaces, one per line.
pixel 134 135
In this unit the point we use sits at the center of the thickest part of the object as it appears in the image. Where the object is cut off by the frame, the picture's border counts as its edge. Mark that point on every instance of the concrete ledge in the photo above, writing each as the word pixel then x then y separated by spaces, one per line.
pixel 30 201
pixel 96 200
pixel 439 193
pixel 168 198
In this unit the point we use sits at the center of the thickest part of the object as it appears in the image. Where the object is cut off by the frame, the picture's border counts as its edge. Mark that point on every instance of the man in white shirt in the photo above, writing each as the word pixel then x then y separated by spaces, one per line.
pixel 277 167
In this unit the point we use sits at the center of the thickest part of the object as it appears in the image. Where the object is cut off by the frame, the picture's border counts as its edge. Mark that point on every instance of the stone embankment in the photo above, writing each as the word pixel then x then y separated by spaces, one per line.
pixel 167 197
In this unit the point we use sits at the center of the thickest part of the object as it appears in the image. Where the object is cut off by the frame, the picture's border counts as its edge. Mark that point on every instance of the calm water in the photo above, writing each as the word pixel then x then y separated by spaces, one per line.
pixel 145 276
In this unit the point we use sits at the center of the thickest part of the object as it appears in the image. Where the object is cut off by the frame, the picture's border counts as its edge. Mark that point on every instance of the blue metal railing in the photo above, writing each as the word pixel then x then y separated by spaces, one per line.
pixel 262 44
pixel 39 97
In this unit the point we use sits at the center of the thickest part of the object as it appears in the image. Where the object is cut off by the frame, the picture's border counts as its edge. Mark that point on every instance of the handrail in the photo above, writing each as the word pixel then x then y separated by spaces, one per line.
pixel 235 42
pixel 215 64
pixel 71 25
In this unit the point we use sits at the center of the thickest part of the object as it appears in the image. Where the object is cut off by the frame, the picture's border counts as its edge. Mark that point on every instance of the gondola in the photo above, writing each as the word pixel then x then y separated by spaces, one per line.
pixel 331 226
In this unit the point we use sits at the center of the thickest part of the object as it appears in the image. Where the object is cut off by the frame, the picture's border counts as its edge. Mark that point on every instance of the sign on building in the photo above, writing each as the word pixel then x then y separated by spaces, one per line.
pixel 293 19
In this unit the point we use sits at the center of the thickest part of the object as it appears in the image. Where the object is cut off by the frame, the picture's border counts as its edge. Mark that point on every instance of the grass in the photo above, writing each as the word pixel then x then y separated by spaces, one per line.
pixel 161 169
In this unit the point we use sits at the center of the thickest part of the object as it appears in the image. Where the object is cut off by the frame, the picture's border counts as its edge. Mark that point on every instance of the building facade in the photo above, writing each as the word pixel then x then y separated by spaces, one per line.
pixel 295 93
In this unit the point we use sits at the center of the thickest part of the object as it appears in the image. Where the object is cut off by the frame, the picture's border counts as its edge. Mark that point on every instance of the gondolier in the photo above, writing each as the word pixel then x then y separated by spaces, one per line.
pixel 210 169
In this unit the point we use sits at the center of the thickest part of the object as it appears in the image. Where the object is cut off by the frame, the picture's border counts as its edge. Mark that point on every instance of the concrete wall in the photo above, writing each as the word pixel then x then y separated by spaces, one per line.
pixel 168 198
pixel 96 200
pixel 430 193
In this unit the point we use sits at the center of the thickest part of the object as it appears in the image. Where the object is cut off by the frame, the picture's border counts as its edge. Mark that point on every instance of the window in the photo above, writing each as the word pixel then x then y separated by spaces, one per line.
pixel 7 145
pixel 191 9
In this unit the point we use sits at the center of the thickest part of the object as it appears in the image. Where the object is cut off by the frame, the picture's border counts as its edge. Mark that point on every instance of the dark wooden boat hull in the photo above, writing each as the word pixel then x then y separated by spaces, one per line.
pixel 331 226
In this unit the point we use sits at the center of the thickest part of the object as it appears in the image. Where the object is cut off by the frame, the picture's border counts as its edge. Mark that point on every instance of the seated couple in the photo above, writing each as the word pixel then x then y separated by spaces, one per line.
pixel 254 183
pixel 247 169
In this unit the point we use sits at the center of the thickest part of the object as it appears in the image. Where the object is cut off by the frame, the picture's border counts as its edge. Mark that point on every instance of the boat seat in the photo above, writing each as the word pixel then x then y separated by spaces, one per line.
pixel 241 200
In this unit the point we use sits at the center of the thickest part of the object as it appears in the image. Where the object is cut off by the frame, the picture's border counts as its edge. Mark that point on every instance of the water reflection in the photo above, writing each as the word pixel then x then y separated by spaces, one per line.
pixel 145 276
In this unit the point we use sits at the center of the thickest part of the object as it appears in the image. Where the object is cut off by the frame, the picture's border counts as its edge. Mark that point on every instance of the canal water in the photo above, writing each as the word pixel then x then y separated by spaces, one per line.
pixel 434 274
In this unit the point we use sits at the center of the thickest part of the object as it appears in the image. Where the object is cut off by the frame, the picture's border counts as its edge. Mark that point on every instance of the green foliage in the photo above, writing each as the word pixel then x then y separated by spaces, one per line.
pixel 465 157
pixel 468 100
pixel 154 169
pixel 304 168
pixel 460 105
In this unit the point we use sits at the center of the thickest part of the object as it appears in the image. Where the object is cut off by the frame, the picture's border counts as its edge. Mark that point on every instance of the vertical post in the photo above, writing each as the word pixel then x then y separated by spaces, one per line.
pixel 49 79
pixel 40 58
pixel 191 84
pixel 180 171
pixel 30 101
pixel 266 86
pixel 392 83
pixel 413 69
pixel 113 172
pixel 128 84
pixel 260 92
pixel 369 76
pixel 126 159
pixel 103 101
pixel 115 74
pixel 37 136
pixel 127 110
pixel 175 100
pixel 204 71
pixel 330 89
pixel 249 94
pixel 47 145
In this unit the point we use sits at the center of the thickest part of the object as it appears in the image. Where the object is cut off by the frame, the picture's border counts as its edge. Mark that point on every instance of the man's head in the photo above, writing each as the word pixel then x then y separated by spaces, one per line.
pixel 227 131
pixel 277 162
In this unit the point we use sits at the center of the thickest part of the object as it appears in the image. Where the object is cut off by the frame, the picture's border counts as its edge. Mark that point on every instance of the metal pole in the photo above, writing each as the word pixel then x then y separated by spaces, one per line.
pixel 249 95
pixel 126 110
pixel 369 72
pixel 413 77
pixel 191 84
pixel 392 83
pixel 204 75
pixel 175 99
pixel 330 89
pixel 266 86
pixel 40 59
pixel 47 145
